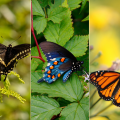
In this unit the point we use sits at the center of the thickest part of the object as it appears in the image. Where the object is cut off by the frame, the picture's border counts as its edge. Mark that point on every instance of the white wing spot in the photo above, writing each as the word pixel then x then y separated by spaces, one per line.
pixel 53 59
pixel 48 64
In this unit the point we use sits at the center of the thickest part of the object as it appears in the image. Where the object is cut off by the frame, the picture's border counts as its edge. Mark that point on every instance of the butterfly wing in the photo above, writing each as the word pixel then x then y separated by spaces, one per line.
pixel 12 54
pixel 112 93
pixel 3 50
pixel 52 71
pixel 108 84
pixel 53 50
pixel 116 100
pixel 20 51
pixel 103 79
pixel 67 74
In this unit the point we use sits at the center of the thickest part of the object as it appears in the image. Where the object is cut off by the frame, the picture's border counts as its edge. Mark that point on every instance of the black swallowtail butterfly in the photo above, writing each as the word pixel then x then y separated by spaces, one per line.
pixel 9 56
pixel 60 60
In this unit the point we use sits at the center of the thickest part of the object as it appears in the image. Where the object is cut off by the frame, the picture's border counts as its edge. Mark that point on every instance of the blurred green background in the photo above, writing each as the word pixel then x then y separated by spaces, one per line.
pixel 15 21
pixel 105 39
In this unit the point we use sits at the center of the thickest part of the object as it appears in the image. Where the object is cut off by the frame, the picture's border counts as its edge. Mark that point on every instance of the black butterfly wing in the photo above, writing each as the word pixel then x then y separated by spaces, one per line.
pixel 53 50
pixel 20 51
pixel 66 66
pixel 3 50
pixel 12 54
pixel 15 53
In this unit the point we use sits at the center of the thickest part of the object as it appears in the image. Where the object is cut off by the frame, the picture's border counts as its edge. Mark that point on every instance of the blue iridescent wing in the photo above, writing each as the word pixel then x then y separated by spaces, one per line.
pixel 52 71
pixel 53 50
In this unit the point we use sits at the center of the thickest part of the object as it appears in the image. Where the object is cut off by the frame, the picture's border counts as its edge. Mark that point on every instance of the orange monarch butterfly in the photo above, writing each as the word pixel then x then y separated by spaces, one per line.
pixel 108 85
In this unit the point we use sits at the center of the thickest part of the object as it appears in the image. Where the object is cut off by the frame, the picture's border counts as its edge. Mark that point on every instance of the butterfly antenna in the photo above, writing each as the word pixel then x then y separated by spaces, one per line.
pixel 15 40
pixel 84 70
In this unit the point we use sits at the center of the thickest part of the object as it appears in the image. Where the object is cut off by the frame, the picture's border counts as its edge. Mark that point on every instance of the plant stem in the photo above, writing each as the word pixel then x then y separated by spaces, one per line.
pixel 95 103
pixel 32 30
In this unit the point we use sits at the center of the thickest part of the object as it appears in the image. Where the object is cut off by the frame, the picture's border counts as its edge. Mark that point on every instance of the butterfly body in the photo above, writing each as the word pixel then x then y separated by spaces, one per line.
pixel 108 85
pixel 10 55
pixel 61 60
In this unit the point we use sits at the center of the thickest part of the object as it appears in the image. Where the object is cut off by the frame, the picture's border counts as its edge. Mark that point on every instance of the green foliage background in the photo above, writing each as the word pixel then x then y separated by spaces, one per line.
pixel 15 22
pixel 65 22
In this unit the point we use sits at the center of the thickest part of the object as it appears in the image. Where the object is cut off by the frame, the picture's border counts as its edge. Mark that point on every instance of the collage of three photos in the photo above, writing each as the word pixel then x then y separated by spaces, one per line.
pixel 59 60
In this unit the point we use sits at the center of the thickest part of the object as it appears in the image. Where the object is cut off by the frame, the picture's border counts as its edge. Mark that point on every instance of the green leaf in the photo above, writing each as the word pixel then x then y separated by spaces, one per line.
pixel 43 3
pixel 60 33
pixel 63 102
pixel 37 64
pixel 86 19
pixel 34 65
pixel 85 58
pixel 71 90
pixel 76 111
pixel 73 4
pixel 84 102
pixel 37 10
pixel 77 45
pixel 83 5
pixel 43 108
pixel 65 4
pixel 57 14
pixel 39 23
pixel 35 76
pixel 34 52
pixel 58 2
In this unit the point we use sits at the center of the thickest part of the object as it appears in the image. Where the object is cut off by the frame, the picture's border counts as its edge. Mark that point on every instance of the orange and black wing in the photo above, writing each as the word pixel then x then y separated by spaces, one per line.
pixel 116 100
pixel 108 84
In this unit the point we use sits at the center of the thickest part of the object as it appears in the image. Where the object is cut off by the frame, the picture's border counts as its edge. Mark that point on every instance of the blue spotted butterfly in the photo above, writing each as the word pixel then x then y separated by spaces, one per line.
pixel 60 60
